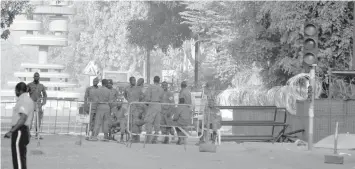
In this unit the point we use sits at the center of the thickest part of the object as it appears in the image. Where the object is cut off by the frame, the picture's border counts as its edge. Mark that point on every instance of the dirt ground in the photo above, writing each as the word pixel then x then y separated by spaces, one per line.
pixel 61 152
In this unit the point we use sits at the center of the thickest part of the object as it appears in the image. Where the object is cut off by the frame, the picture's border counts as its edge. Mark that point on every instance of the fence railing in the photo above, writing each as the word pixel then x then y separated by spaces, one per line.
pixel 186 130
pixel 59 117
pixel 64 117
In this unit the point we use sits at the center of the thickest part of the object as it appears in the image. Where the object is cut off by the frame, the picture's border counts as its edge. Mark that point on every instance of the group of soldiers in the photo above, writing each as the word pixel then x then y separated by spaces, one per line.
pixel 153 107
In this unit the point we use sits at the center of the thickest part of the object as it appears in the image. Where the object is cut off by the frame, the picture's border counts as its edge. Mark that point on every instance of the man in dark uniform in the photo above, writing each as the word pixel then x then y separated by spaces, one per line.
pixel 90 102
pixel 182 118
pixel 167 112
pixel 154 93
pixel 141 109
pixel 185 93
pixel 38 94
pixel 103 109
pixel 134 94
pixel 114 105
pixel 212 116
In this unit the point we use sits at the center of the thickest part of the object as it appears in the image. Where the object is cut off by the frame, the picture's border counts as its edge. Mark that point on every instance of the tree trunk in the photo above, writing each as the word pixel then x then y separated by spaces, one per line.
pixel 196 62
pixel 148 67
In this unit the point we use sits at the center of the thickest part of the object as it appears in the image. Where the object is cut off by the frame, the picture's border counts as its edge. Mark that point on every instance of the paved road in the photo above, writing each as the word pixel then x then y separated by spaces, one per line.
pixel 61 153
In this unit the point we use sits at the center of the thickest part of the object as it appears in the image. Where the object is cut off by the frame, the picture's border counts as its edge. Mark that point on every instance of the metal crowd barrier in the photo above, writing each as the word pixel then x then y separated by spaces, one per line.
pixel 186 133
pixel 67 117
pixel 59 117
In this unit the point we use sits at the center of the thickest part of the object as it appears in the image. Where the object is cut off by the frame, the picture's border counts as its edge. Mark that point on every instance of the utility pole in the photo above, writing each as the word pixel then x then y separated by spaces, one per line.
pixel 196 61
pixel 310 52
pixel 352 65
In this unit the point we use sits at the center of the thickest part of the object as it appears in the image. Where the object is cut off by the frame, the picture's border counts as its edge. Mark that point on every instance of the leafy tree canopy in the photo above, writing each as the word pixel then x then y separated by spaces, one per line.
pixel 93 36
pixel 271 35
pixel 9 10
pixel 161 28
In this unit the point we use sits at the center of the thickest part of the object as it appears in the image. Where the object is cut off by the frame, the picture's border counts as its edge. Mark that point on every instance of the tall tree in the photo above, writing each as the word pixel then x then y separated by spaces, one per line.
pixel 270 34
pixel 92 36
pixel 160 29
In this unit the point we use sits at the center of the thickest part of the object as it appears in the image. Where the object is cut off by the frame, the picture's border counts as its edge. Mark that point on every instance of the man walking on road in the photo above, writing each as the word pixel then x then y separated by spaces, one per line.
pixel 154 93
pixel 90 99
pixel 22 117
pixel 38 94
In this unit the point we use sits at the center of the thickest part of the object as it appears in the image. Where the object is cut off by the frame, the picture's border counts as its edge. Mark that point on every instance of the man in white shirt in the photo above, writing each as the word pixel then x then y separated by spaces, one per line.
pixel 22 117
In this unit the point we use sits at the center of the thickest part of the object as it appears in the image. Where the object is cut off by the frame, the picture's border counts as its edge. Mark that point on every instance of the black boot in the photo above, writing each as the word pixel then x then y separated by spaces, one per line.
pixel 149 139
pixel 166 140
pixel 179 141
pixel 135 138
pixel 201 139
pixel 214 136
pixel 155 140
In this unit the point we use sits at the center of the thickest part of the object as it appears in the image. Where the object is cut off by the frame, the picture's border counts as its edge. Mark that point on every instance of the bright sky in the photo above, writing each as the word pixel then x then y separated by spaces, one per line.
pixel 227 114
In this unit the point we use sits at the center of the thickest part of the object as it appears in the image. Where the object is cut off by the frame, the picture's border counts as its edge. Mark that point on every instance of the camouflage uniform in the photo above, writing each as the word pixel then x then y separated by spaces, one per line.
pixel 154 93
pixel 166 114
pixel 91 97
pixel 212 116
pixel 102 111
pixel 113 108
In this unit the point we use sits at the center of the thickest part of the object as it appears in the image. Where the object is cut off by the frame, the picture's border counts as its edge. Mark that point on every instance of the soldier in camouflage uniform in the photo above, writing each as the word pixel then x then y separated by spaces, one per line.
pixel 154 93
pixel 90 99
pixel 167 112
pixel 212 116
pixel 134 94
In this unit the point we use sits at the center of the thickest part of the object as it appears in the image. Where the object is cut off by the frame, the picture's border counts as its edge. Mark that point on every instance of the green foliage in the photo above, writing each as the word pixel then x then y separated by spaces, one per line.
pixel 270 34
pixel 161 28
pixel 98 32
pixel 9 10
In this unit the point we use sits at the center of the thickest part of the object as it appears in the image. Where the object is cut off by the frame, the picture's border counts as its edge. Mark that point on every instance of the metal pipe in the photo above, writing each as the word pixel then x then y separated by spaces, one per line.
pixel 55 120
pixel 353 59
pixel 196 62
pixel 336 139
pixel 330 100
pixel 69 116
pixel 311 108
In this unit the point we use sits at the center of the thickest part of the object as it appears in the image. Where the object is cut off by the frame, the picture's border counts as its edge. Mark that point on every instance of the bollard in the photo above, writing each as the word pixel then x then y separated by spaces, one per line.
pixel 208 147
pixel 334 158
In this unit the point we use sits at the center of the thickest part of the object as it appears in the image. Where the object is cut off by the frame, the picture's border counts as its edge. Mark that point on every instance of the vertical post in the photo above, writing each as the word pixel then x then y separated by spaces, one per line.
pixel 69 116
pixel 196 62
pixel 56 116
pixel 353 59
pixel 148 66
pixel 336 138
pixel 311 107
pixel 330 99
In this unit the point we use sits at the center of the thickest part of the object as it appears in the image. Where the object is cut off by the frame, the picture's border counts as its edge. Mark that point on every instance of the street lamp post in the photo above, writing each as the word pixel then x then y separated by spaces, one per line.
pixel 196 59
pixel 311 107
